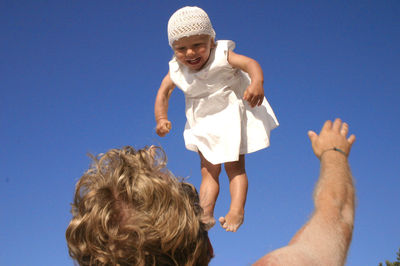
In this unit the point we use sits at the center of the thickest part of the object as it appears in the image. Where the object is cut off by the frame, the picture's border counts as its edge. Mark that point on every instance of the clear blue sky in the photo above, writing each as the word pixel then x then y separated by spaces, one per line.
pixel 81 76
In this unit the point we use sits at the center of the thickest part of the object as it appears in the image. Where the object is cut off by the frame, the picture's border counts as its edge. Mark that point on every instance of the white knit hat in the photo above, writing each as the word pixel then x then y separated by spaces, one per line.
pixel 188 21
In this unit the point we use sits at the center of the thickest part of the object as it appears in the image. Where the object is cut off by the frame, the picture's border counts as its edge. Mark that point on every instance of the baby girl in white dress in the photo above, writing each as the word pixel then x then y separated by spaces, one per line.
pixel 227 113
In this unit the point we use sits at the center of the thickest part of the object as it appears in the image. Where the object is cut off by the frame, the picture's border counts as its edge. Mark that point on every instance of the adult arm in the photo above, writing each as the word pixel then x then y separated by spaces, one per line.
pixel 161 106
pixel 254 94
pixel 326 237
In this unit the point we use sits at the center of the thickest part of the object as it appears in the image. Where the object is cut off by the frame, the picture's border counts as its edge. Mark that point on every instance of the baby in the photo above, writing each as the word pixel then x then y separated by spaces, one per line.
pixel 227 113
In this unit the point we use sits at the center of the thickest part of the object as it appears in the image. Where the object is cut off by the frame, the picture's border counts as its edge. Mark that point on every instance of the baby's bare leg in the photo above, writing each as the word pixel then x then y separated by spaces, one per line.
pixel 209 190
pixel 238 187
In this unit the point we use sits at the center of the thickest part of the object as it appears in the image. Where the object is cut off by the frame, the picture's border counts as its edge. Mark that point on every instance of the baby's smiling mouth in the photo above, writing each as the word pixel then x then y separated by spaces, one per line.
pixel 193 61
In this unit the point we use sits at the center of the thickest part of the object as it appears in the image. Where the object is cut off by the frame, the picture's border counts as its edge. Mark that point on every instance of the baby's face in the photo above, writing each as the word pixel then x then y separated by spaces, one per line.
pixel 193 51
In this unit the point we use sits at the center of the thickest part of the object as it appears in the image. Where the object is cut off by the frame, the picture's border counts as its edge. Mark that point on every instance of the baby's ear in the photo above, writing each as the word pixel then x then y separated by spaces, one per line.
pixel 213 44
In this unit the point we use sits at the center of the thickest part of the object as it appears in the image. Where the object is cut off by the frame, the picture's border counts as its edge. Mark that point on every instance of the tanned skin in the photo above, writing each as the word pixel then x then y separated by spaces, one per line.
pixel 325 238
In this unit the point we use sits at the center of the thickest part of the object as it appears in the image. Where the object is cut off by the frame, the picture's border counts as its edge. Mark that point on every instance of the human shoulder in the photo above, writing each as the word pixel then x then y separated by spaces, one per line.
pixel 173 65
pixel 222 49
pixel 225 44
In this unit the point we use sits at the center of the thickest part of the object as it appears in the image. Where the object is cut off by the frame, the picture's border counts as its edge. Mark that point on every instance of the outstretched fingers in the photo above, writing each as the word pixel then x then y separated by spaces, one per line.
pixel 312 135
pixel 327 125
pixel 351 139
pixel 332 135
pixel 337 125
pixel 344 130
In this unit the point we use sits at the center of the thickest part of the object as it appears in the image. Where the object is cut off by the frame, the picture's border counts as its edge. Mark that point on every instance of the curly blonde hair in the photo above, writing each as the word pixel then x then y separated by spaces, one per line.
pixel 129 209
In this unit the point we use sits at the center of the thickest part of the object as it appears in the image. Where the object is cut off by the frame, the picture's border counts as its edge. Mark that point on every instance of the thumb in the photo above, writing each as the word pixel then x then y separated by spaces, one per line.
pixel 312 135
pixel 351 139
pixel 245 95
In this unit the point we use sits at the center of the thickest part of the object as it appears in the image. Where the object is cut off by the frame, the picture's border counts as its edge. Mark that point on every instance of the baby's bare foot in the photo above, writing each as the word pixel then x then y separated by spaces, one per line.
pixel 232 221
pixel 209 221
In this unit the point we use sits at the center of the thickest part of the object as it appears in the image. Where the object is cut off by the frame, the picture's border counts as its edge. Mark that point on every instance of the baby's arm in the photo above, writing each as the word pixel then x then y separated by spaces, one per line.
pixel 254 94
pixel 161 106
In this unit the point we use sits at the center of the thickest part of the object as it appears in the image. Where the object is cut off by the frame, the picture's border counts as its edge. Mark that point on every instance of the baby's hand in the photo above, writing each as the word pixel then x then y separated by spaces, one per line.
pixel 254 94
pixel 163 127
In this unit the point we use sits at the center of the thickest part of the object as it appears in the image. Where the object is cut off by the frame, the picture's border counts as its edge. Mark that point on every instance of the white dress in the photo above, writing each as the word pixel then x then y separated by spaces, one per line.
pixel 220 124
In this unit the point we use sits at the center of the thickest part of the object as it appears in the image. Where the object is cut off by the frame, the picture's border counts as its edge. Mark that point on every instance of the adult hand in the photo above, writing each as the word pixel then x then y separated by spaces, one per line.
pixel 163 127
pixel 332 135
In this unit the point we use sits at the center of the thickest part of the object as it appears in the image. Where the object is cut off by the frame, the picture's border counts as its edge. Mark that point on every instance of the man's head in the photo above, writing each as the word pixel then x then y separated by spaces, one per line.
pixel 129 210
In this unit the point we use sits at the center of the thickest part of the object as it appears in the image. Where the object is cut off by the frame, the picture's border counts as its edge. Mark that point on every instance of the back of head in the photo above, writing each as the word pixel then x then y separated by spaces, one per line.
pixel 188 21
pixel 129 210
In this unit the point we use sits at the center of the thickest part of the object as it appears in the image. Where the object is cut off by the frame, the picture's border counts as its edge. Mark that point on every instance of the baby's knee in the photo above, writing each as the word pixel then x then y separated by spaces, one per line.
pixel 213 169
pixel 235 168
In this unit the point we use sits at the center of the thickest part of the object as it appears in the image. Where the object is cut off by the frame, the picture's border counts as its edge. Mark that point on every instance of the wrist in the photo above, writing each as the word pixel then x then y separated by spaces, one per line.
pixel 159 119
pixel 257 81
pixel 335 151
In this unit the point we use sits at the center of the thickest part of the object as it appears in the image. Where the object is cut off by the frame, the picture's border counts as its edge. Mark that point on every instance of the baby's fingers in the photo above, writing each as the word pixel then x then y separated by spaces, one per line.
pixel 260 100
pixel 166 128
pixel 252 99
pixel 246 95
pixel 162 130
pixel 255 101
